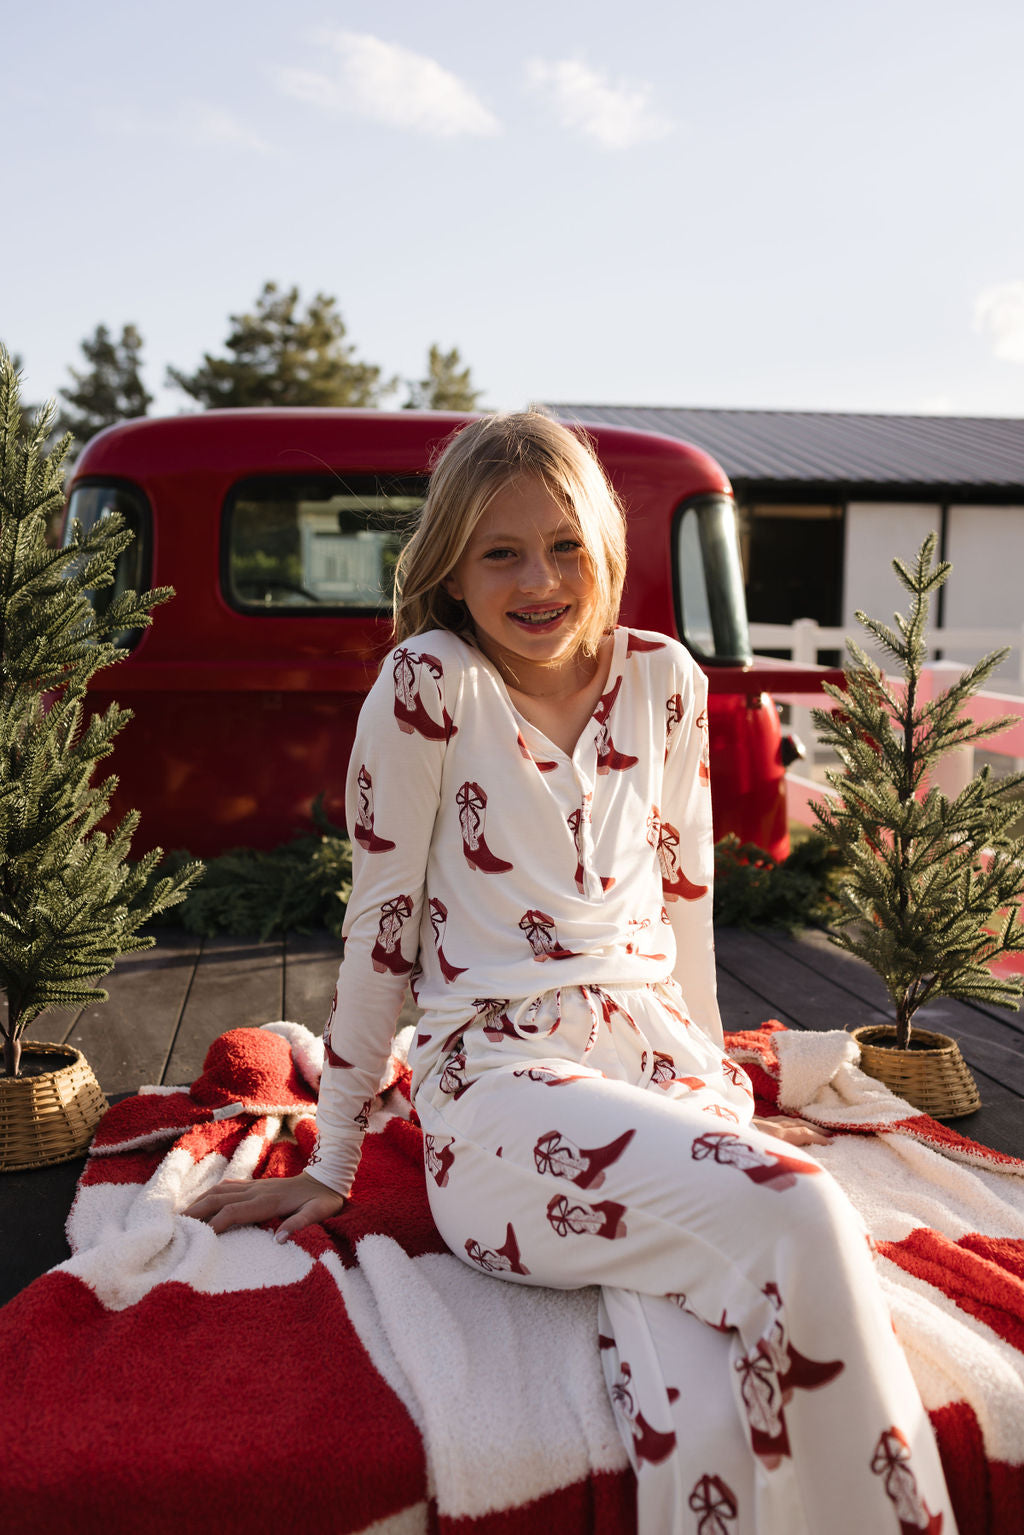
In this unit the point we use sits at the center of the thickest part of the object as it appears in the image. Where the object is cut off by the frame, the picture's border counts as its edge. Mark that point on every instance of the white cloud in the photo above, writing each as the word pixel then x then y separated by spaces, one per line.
pixel 617 116
pixel 389 84
pixel 999 314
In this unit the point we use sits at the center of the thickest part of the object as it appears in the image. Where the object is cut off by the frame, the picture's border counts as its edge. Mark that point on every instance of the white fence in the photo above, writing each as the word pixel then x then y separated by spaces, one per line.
pixel 805 638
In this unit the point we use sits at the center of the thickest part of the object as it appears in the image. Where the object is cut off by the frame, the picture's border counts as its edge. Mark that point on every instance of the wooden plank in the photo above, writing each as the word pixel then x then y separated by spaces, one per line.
pixel 238 983
pixel 809 995
pixel 128 1039
pixel 744 1006
pixel 310 972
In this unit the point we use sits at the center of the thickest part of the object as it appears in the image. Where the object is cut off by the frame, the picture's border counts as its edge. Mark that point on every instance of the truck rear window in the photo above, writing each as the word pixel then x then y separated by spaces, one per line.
pixel 91 501
pixel 290 544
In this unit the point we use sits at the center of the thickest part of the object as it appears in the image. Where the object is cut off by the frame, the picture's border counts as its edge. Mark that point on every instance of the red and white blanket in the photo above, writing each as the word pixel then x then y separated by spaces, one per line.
pixel 361 1379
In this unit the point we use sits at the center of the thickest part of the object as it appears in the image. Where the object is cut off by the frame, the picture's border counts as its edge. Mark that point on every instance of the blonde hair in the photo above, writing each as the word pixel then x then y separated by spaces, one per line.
pixel 475 464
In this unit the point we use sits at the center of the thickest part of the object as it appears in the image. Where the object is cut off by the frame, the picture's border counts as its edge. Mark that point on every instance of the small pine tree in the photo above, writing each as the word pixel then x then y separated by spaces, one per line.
pixel 70 903
pixel 111 390
pixel 279 356
pixel 447 386
pixel 933 886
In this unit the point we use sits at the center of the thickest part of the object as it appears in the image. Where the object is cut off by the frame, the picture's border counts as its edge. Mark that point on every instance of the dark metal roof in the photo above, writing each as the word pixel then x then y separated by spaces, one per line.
pixel 833 447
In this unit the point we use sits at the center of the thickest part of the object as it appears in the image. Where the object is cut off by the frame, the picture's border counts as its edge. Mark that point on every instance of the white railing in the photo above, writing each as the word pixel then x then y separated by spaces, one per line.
pixel 805 638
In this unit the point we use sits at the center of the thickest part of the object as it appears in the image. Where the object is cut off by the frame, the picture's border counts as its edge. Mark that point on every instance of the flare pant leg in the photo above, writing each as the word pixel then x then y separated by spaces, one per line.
pixel 749 1353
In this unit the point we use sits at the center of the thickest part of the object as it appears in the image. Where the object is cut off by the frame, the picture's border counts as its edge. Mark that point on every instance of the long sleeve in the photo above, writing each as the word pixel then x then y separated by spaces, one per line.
pixel 688 851
pixel 391 806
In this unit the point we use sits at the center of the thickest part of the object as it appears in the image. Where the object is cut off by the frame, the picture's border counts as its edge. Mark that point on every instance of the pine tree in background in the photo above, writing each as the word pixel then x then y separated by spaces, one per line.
pixel 112 390
pixel 282 357
pixel 447 386
pixel 70 903
pixel 933 886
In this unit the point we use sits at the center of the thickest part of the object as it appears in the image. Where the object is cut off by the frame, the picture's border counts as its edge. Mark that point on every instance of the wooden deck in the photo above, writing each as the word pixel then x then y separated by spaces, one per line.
pixel 167 1004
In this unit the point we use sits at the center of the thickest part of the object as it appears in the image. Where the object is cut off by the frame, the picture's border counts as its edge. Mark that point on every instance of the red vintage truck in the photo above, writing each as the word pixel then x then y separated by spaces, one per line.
pixel 279 529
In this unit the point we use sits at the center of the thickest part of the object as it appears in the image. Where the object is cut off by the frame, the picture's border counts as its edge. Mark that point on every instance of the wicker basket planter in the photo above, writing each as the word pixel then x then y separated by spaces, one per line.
pixel 931 1074
pixel 49 1117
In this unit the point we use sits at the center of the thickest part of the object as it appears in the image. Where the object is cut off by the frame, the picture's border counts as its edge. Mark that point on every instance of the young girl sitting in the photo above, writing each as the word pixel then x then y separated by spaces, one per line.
pixel 529 802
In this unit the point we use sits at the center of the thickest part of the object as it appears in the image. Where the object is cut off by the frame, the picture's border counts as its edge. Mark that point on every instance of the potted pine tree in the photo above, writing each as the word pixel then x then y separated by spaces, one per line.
pixel 933 886
pixel 70 901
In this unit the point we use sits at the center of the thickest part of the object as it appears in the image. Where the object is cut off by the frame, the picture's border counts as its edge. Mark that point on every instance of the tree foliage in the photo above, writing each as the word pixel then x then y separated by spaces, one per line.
pixel 70 902
pixel 281 355
pixel 447 386
pixel 110 390
pixel 933 886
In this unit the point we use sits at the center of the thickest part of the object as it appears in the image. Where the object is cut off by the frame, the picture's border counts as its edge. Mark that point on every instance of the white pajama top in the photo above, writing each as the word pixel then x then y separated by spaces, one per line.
pixel 488 864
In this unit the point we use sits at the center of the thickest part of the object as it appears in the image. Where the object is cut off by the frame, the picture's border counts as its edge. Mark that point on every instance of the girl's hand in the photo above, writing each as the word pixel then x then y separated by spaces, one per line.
pixel 796 1131
pixel 244 1202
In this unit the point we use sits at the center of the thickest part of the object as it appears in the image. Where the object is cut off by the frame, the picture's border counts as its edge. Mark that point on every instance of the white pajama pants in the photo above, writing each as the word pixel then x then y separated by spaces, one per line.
pixel 590 1136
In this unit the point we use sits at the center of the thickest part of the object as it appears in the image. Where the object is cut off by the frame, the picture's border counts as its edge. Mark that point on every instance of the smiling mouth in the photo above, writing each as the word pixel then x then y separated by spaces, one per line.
pixel 539 618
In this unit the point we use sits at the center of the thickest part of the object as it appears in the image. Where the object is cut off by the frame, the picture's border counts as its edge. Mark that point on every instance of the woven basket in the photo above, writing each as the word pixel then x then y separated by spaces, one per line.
pixel 49 1118
pixel 932 1074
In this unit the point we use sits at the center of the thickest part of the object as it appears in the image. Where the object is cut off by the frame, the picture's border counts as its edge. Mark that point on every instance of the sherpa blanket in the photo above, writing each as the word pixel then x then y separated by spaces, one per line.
pixel 360 1378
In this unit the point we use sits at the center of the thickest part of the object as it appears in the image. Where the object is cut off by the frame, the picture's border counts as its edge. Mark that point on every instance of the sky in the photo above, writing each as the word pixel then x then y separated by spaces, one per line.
pixel 794 205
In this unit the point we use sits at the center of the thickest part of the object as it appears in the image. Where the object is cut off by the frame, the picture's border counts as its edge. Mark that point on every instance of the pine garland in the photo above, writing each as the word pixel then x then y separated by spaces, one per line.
pixel 933 886
pixel 70 901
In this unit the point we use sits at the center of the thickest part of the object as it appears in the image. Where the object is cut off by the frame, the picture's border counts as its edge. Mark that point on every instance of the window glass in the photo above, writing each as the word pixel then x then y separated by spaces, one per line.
pixel 709 581
pixel 90 503
pixel 293 544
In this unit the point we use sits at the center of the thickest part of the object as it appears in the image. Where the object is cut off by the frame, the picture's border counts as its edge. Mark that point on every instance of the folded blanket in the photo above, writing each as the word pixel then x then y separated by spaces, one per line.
pixel 361 1378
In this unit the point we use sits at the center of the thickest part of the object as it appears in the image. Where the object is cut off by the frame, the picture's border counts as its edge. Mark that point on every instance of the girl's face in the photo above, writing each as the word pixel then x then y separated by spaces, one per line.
pixel 527 582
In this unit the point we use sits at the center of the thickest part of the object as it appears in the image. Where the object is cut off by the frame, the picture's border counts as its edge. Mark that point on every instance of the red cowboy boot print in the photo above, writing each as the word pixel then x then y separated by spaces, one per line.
pixel 438 919
pixel 605 1219
pixel 794 1370
pixel 714 1503
pixel 363 831
pixel 542 936
pixel 638 925
pixel 636 646
pixel 362 1119
pixel 438 1158
pixel 472 803
pixel 560 1157
pixel 501 1260
pixel 720 1110
pixel 332 1058
pixel 608 758
pixel 524 750
pixel 678 1298
pixel 491 1016
pixel 610 1009
pixel 649 1443
pixel 654 827
pixel 891 1462
pixel 734 1073
pixel 762 1401
pixel 664 1069
pixel 771 1168
pixel 453 1077
pixel 577 820
pixel 674 884
pixel 673 718
pixel 410 710
pixel 547 1076
pixel 386 953
pixel 704 766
